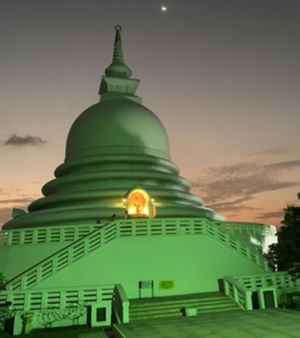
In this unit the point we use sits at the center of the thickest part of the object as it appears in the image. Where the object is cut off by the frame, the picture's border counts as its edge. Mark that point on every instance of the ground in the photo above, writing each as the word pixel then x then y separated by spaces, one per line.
pixel 69 332
pixel 231 324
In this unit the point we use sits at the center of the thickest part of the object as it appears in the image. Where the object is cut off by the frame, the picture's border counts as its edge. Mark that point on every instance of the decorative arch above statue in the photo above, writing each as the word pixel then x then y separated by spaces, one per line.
pixel 138 203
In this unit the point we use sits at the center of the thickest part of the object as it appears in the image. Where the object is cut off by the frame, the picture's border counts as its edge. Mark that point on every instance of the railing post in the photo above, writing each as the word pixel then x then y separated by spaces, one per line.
pixel 249 300
pixel 34 236
pixel 22 236
pixel 261 299
pixel 235 294
pixel 226 287
pixel 125 312
pixel 86 246
pixel 48 235
pixel 117 226
pixel 44 300
pixel 27 304
pixel 23 281
pixel 62 299
pixel 9 238
pixel 275 294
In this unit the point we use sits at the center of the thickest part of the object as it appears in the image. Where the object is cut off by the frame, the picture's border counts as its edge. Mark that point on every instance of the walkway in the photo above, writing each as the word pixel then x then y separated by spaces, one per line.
pixel 233 324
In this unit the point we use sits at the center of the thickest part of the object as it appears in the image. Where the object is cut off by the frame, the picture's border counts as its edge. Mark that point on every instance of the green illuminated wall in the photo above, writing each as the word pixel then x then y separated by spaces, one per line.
pixel 195 263
pixel 17 258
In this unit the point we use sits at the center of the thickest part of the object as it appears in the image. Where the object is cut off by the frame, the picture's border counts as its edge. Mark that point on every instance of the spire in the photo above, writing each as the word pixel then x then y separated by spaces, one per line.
pixel 118 67
pixel 118 56
pixel 117 79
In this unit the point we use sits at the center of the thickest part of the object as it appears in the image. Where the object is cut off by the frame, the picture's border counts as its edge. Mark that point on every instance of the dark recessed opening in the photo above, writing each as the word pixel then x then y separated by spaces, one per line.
pixel 101 314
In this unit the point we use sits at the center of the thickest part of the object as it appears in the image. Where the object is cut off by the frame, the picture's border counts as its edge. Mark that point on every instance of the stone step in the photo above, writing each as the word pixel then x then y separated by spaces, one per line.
pixel 171 307
pixel 229 308
pixel 178 308
pixel 204 295
pixel 181 301
pixel 207 309
pixel 166 307
pixel 178 314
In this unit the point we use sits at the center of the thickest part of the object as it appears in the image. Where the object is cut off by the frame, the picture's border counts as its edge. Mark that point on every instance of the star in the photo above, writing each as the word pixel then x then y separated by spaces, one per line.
pixel 163 8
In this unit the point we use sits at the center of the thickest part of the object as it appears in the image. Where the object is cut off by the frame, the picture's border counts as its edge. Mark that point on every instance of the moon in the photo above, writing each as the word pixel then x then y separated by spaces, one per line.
pixel 163 8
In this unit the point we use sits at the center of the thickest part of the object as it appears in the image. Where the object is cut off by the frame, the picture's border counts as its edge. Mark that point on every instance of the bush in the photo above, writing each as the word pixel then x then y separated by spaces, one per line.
pixel 290 300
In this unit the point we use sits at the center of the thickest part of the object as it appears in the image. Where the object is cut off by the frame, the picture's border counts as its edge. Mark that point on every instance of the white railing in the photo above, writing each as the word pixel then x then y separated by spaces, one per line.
pixel 280 280
pixel 190 226
pixel 60 234
pixel 62 258
pixel 133 228
pixel 241 288
pixel 53 234
pixel 30 300
pixel 238 293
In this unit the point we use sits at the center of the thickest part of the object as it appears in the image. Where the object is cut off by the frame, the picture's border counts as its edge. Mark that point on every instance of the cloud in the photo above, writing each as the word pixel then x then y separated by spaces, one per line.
pixel 275 151
pixel 272 214
pixel 7 205
pixel 28 140
pixel 285 165
pixel 243 181
pixel 17 201
pixel 229 188
pixel 232 206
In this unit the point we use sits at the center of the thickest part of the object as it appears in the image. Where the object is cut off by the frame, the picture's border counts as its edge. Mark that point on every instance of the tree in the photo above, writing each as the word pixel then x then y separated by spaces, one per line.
pixel 285 255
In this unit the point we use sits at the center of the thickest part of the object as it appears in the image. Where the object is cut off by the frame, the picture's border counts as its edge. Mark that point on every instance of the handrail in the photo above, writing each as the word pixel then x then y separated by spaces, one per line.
pixel 241 288
pixel 116 314
pixel 69 252
pixel 249 250
pixel 45 259
pixel 40 235
pixel 69 233
pixel 238 293
pixel 51 298
pixel 237 284
pixel 267 280
pixel 120 304
pixel 191 226
pixel 124 228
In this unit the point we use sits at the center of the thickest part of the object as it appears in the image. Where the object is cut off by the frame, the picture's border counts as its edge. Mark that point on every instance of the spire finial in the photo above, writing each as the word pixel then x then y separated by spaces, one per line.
pixel 118 56
pixel 118 67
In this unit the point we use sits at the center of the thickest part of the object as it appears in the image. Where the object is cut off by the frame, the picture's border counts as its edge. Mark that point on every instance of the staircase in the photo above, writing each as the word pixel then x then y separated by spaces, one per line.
pixel 63 258
pixel 163 307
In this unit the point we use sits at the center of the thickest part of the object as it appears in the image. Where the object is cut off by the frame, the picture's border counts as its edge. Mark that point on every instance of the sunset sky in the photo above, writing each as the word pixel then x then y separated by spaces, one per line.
pixel 223 77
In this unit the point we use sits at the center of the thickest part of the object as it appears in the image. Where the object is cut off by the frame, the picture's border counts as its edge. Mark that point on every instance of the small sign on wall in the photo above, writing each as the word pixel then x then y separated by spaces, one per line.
pixel 167 284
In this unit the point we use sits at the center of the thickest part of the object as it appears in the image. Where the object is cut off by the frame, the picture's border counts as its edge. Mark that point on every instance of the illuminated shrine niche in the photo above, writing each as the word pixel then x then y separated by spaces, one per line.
pixel 139 204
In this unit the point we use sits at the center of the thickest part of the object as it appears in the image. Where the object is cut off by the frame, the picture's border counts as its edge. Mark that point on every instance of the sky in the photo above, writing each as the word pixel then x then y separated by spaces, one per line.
pixel 222 76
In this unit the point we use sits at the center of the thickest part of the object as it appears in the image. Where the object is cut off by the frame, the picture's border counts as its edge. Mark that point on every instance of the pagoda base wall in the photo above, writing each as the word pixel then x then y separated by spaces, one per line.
pixel 17 258
pixel 178 264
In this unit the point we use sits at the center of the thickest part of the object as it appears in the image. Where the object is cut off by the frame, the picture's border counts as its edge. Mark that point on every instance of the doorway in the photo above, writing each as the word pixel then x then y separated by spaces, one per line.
pixel 255 300
pixel 269 299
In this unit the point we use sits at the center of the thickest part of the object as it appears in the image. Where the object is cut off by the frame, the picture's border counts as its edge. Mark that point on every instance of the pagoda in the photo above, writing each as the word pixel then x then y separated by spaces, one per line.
pixel 118 227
